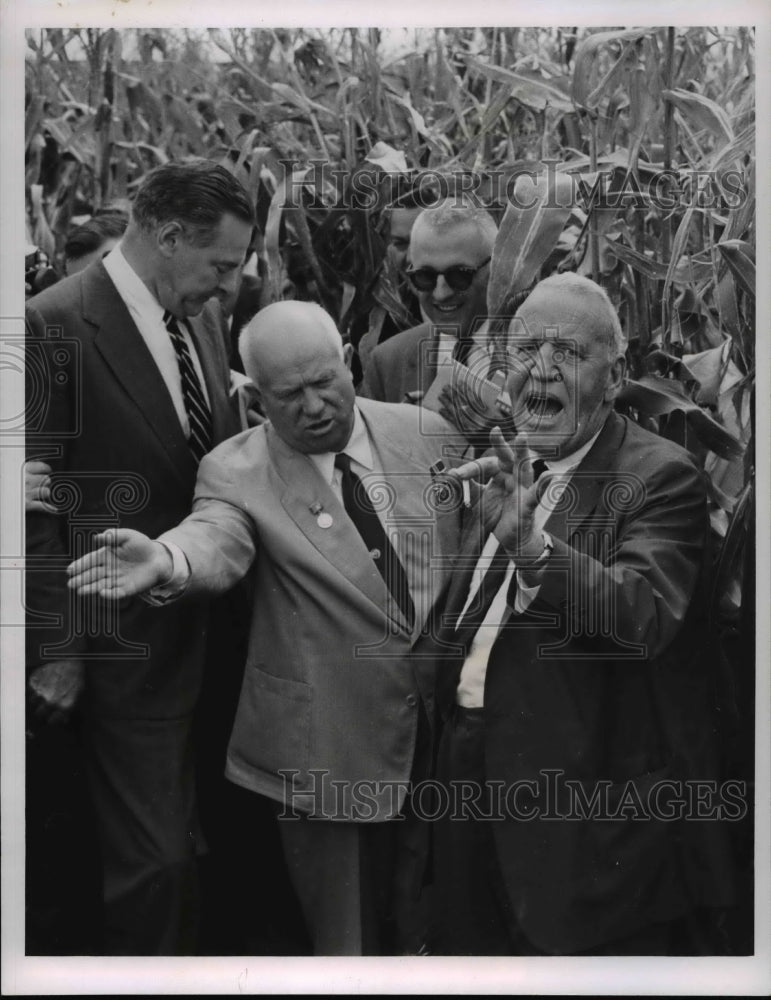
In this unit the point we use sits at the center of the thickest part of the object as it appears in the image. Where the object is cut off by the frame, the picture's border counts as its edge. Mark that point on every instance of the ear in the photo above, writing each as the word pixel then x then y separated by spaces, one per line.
pixel 348 355
pixel 169 237
pixel 615 379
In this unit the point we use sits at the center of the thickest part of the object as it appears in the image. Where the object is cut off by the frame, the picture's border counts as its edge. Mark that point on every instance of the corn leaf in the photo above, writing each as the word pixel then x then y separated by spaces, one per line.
pixel 704 113
pixel 585 64
pixel 535 94
pixel 657 397
pixel 527 235
pixel 739 257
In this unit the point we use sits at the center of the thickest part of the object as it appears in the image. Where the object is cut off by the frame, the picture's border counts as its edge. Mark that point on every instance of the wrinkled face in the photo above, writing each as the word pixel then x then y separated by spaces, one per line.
pixel 307 394
pixel 399 229
pixel 190 275
pixel 464 246
pixel 564 377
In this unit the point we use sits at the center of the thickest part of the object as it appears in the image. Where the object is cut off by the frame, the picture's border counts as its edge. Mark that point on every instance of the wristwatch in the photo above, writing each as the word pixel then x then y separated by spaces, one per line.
pixel 548 546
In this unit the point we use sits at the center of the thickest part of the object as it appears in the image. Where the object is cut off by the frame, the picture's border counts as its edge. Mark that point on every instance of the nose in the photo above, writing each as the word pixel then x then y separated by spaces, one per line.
pixel 313 403
pixel 228 284
pixel 442 292
pixel 548 361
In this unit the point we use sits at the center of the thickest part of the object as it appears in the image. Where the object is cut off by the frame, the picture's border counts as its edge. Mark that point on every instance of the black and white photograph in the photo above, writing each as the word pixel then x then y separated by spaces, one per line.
pixel 385 482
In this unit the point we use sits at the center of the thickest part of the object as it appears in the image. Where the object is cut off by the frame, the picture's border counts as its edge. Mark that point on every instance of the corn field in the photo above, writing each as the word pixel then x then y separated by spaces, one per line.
pixel 647 132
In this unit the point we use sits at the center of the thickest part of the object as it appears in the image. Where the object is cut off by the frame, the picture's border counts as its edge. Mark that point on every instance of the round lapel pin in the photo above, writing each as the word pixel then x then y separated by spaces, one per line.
pixel 324 520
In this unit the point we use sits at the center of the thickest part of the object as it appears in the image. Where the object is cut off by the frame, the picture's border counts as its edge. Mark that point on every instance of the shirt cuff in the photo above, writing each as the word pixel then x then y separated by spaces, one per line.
pixel 525 595
pixel 180 577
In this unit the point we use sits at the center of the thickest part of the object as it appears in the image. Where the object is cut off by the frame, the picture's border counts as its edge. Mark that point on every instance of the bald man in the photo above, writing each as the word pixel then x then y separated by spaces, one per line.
pixel 335 718
pixel 451 246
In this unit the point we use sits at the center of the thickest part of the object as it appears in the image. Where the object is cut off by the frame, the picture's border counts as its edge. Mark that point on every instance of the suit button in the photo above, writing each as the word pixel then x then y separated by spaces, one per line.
pixel 412 700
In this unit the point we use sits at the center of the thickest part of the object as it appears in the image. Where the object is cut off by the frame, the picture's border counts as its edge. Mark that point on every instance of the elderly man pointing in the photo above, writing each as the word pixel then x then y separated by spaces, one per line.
pixel 579 719
pixel 329 505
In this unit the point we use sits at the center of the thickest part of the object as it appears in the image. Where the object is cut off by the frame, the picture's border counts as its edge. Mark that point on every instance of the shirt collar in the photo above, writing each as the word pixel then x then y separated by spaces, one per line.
pixel 130 286
pixel 568 462
pixel 358 449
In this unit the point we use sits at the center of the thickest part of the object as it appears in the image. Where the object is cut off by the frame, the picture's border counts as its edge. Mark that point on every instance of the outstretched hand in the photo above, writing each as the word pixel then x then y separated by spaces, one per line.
pixel 37 487
pixel 126 563
pixel 510 498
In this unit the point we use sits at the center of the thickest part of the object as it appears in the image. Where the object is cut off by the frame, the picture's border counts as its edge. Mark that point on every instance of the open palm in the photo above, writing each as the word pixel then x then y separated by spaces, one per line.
pixel 126 563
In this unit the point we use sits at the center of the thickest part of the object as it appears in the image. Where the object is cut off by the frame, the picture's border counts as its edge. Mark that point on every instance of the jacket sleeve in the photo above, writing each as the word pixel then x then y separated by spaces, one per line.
pixel 218 538
pixel 626 588
pixel 51 377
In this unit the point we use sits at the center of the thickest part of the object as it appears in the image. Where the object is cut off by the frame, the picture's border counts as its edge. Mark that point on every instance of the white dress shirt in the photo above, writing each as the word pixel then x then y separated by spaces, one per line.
pixel 147 314
pixel 471 686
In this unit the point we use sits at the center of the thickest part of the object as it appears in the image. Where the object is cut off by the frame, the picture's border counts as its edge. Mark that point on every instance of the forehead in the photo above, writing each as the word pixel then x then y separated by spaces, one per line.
pixel 231 239
pixel 463 244
pixel 288 363
pixel 559 315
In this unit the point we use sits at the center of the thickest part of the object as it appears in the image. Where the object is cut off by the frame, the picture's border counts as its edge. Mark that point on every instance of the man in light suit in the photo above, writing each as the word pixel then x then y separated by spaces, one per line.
pixel 578 609
pixel 335 716
pixel 121 410
pixel 451 246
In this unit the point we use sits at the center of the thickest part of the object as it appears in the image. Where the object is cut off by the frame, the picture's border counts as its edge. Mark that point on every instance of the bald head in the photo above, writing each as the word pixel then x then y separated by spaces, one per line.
pixel 284 330
pixel 293 353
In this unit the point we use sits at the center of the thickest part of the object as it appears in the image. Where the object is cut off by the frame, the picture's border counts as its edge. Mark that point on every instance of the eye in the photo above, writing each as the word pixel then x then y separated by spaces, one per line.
pixel 565 352
pixel 524 348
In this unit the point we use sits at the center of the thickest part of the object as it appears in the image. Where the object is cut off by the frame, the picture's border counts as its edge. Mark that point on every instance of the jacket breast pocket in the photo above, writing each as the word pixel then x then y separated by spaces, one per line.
pixel 281 712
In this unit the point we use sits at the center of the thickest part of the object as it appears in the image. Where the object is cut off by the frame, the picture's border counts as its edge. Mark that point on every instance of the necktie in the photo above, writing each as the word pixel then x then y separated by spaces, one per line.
pixel 196 407
pixel 359 508
pixel 491 583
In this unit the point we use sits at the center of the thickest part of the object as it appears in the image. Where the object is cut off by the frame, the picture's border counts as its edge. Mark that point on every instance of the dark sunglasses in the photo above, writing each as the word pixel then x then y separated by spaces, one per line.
pixel 459 277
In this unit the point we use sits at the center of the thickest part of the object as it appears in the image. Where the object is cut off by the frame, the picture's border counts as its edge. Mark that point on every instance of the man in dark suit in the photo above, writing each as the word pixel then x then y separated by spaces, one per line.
pixel 578 703
pixel 450 250
pixel 128 388
pixel 329 504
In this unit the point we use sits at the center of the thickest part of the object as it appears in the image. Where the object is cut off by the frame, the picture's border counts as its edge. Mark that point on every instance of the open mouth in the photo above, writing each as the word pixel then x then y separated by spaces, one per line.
pixel 445 308
pixel 543 406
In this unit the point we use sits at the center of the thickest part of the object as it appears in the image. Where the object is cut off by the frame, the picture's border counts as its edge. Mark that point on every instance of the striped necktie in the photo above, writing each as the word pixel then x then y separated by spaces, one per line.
pixel 196 407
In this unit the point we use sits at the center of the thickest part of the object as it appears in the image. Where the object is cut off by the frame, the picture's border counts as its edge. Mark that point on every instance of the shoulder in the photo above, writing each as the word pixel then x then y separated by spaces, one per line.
pixel 63 296
pixel 640 446
pixel 662 467
pixel 248 446
pixel 402 344
pixel 414 423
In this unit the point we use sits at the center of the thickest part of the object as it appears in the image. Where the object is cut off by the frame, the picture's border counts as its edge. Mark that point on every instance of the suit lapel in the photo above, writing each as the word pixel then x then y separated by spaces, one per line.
pixel 588 481
pixel 305 495
pixel 126 354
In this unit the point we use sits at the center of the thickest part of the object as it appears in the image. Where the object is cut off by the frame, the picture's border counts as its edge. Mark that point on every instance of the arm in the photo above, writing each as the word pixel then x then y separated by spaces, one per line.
pixel 53 686
pixel 643 588
pixel 634 594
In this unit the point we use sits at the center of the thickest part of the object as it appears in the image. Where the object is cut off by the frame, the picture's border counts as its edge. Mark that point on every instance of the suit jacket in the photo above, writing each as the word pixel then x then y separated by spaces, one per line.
pixel 606 682
pixel 331 692
pixel 99 412
pixel 404 363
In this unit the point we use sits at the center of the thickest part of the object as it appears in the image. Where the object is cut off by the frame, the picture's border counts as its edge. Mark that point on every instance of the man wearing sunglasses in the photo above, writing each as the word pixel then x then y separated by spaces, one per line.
pixel 450 250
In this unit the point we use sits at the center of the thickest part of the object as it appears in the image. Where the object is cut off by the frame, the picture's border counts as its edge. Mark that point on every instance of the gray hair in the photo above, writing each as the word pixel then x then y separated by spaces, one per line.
pixel 451 214
pixel 590 292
